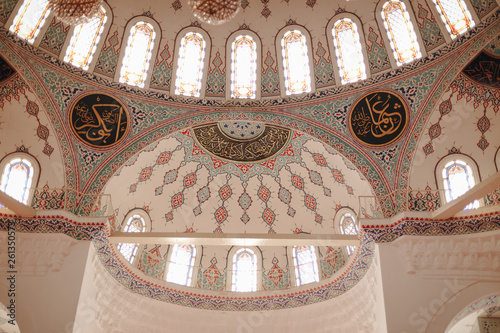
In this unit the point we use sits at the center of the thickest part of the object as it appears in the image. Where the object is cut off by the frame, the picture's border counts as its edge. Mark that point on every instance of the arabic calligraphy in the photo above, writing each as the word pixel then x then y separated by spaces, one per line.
pixel 378 118
pixel 270 142
pixel 99 120
pixel 484 69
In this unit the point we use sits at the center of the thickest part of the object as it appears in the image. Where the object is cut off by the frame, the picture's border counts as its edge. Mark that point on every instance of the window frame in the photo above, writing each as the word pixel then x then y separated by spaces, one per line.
pixel 154 50
pixel 442 25
pixel 208 54
pixel 258 267
pixel 333 52
pixel 229 59
pixel 42 30
pixel 147 228
pixel 439 177
pixel 98 46
pixel 191 280
pixel 349 251
pixel 279 56
pixel 296 269
pixel 385 37
pixel 35 169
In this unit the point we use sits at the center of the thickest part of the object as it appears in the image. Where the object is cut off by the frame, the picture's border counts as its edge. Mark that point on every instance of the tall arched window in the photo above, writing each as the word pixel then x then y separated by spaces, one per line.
pixel 455 16
pixel 19 174
pixel 135 222
pixel 29 19
pixel 138 52
pixel 84 41
pixel 180 268
pixel 349 51
pixel 348 226
pixel 243 67
pixel 306 264
pixel 458 178
pixel 244 270
pixel 295 59
pixel 400 32
pixel 190 63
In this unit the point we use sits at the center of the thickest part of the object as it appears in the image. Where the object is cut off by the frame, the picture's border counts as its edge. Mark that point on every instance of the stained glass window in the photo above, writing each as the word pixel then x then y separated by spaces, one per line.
pixel 180 268
pixel 455 15
pixel 400 31
pixel 295 63
pixel 244 270
pixel 29 19
pixel 84 41
pixel 243 67
pixel 17 178
pixel 348 226
pixel 190 65
pixel 306 265
pixel 134 224
pixel 348 50
pixel 140 44
pixel 458 178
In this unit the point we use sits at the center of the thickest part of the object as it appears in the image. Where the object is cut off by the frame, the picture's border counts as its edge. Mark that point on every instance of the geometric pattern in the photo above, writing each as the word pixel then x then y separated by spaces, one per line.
pixel 276 278
pixel 435 129
pixel 152 264
pixel 331 262
pixel 42 131
pixel 483 125
pixel 270 78
pixel 216 78
pixel 53 39
pixel 162 70
pixel 323 71
pixel 377 53
pixel 432 36
pixel 211 278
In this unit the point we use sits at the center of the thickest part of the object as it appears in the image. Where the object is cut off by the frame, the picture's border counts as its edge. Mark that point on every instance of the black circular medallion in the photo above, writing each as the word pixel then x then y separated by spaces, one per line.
pixel 378 118
pixel 99 120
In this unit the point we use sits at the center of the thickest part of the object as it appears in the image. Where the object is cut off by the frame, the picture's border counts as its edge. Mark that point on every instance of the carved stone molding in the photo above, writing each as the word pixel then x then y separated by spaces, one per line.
pixel 474 256
pixel 37 254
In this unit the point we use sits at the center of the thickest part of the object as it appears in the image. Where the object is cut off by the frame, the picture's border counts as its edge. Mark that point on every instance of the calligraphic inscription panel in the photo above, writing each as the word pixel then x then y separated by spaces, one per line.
pixel 270 142
pixel 484 69
pixel 99 120
pixel 378 118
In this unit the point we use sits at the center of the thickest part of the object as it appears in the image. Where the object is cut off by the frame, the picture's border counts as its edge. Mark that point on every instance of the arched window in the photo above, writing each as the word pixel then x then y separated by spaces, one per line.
pixel 455 16
pixel 29 19
pixel 458 178
pixel 349 51
pixel 348 226
pixel 135 222
pixel 244 270
pixel 243 67
pixel 138 52
pixel 84 41
pixel 296 62
pixel 306 264
pixel 180 268
pixel 400 32
pixel 19 175
pixel 190 64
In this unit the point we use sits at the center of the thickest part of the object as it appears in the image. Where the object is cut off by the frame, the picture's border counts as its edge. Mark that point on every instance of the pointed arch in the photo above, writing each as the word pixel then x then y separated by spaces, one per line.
pixel 306 264
pixel 86 39
pixel 138 49
pixel 29 19
pixel 243 48
pixel 191 62
pixel 293 43
pixel 396 18
pixel 20 173
pixel 346 223
pixel 345 35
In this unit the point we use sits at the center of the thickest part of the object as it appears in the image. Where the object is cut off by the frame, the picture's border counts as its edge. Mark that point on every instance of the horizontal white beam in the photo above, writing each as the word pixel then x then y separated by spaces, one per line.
pixel 485 187
pixel 16 206
pixel 234 239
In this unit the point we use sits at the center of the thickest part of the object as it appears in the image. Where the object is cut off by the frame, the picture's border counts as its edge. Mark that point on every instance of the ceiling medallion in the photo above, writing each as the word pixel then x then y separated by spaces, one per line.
pixel 266 144
pixel 99 120
pixel 378 118
pixel 214 11
pixel 75 11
